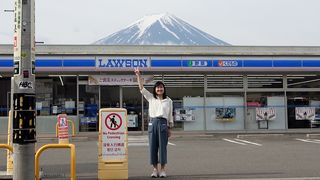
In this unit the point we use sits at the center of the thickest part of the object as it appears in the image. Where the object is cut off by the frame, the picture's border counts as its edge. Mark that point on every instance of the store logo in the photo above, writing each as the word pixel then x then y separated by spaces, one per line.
pixel 227 63
pixel 109 62
pixel 197 63
pixel 25 85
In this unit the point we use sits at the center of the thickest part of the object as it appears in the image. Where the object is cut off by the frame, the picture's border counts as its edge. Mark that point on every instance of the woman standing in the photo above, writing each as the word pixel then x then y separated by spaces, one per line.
pixel 160 112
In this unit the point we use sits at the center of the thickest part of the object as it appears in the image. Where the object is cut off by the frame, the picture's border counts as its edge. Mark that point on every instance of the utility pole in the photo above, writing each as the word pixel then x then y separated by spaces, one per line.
pixel 24 114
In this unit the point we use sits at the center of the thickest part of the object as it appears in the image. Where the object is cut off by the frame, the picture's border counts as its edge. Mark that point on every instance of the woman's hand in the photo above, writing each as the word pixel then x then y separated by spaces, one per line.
pixel 140 82
pixel 137 71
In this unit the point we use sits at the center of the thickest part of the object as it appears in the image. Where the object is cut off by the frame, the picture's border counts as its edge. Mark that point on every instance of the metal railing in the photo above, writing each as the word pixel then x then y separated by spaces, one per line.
pixel 57 146
pixel 6 146
pixel 9 159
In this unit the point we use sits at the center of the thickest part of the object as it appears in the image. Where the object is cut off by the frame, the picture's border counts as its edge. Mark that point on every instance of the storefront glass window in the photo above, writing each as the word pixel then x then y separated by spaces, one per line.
pixel 225 81
pixel 186 112
pixel 132 102
pixel 88 107
pixel 303 109
pixel 265 110
pixel 55 95
pixel 265 81
pixel 110 97
pixel 5 93
pixel 304 81
pixel 224 111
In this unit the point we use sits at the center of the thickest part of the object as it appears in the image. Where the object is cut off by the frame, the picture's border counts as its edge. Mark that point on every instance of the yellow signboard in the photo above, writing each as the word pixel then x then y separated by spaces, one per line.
pixel 113 144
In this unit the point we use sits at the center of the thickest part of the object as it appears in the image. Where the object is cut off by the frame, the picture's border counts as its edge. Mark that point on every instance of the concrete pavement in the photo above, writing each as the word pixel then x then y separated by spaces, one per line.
pixel 198 156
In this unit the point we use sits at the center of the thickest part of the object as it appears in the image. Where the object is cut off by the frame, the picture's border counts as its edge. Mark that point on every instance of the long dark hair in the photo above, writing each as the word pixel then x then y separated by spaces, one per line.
pixel 159 83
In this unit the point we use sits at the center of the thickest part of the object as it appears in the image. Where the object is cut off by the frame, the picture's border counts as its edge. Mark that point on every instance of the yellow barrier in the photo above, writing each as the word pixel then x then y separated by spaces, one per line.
pixel 9 154
pixel 6 146
pixel 9 158
pixel 73 128
pixel 72 158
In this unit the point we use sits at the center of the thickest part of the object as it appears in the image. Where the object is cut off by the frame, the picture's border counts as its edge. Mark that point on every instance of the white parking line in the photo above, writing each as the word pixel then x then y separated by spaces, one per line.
pixel 234 142
pixel 253 143
pixel 314 140
pixel 171 144
pixel 309 140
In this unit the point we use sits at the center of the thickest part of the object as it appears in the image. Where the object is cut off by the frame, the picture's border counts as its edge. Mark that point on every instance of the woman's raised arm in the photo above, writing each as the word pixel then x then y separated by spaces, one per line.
pixel 140 82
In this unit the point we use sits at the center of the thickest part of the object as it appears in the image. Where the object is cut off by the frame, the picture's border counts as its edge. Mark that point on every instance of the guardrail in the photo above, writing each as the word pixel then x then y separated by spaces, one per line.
pixel 9 142
pixel 9 159
pixel 73 128
pixel 6 146
pixel 57 146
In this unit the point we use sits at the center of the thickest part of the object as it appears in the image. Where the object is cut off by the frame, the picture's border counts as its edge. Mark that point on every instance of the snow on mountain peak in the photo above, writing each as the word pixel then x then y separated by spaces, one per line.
pixel 144 23
pixel 165 29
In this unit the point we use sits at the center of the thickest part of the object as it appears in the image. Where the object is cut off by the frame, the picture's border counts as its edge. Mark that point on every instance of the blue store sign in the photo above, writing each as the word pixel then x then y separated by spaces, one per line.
pixel 155 63
pixel 122 62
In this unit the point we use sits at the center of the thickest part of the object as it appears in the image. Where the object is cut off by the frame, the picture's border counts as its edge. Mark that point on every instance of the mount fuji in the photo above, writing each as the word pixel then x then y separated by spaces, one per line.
pixel 162 29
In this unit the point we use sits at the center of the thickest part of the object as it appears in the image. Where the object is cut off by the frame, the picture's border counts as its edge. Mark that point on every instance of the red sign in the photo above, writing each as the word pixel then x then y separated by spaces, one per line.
pixel 63 126
pixel 113 121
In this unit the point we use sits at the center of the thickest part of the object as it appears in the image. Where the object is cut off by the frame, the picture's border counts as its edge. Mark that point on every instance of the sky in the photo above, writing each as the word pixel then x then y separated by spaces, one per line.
pixel 237 22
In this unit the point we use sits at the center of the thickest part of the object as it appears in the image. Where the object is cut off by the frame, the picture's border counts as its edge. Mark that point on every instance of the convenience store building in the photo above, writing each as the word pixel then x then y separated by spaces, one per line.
pixel 214 88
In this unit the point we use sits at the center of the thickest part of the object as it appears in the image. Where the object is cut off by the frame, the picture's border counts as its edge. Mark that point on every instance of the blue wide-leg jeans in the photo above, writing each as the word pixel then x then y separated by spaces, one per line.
pixel 158 140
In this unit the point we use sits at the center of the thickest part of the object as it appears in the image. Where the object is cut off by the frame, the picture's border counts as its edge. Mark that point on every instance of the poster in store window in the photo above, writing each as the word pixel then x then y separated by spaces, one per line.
pixel 305 113
pixel 265 114
pixel 225 114
pixel 133 120
pixel 184 114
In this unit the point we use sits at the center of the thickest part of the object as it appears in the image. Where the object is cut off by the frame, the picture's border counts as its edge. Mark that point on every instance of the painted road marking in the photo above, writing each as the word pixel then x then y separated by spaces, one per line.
pixel 234 142
pixel 138 144
pixel 138 141
pixel 249 142
pixel 316 141
pixel 141 141
pixel 242 142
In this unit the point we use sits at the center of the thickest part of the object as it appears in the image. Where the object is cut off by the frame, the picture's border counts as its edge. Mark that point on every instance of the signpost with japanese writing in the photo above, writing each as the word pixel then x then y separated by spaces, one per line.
pixel 113 144
pixel 113 80
pixel 63 133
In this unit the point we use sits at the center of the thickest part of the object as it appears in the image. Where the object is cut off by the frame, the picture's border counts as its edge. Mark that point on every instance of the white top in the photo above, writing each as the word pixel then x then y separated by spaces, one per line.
pixel 159 108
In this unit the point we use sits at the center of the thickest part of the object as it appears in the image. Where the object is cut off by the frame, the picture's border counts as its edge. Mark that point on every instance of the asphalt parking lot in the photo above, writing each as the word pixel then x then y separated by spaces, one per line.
pixel 201 157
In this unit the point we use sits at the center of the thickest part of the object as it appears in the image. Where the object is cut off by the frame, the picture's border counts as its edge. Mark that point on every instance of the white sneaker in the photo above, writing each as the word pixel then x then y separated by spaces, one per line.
pixel 154 173
pixel 163 174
